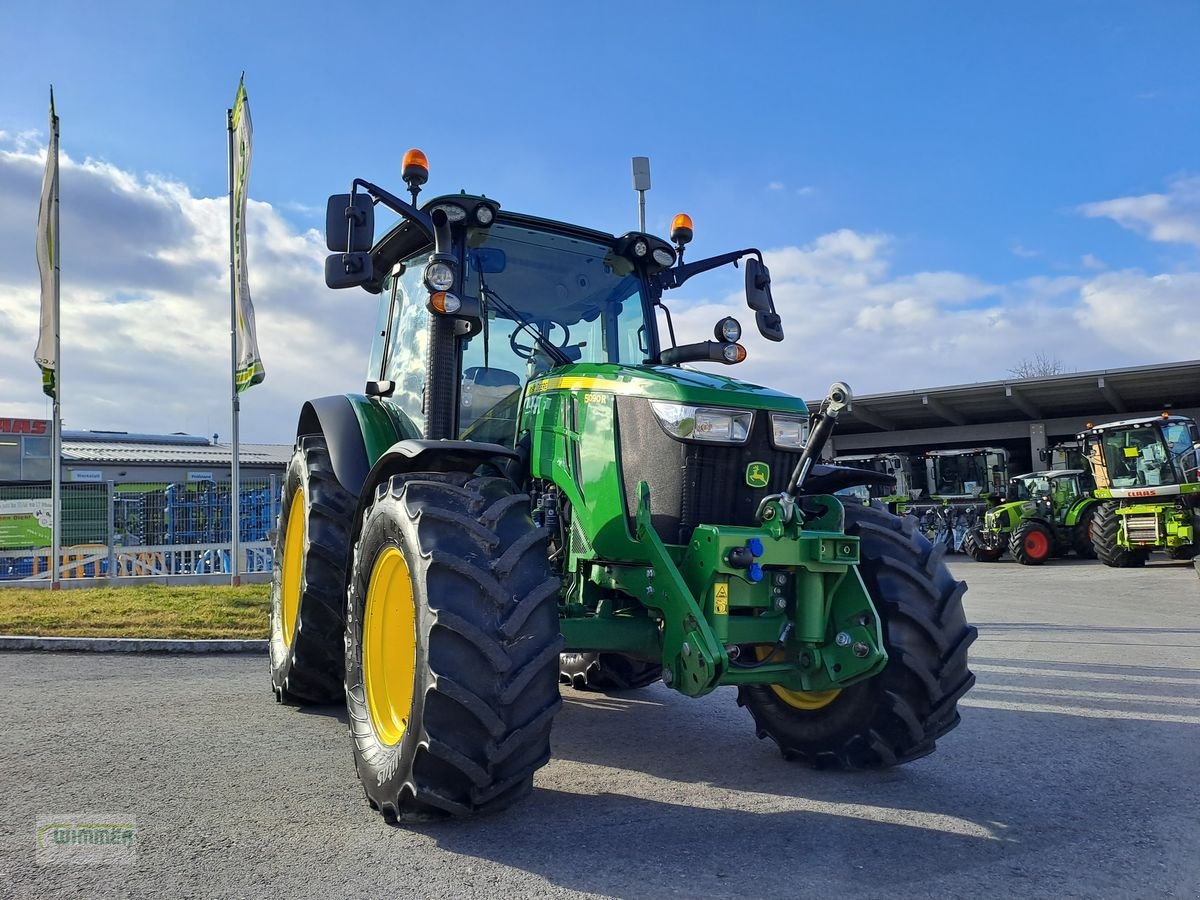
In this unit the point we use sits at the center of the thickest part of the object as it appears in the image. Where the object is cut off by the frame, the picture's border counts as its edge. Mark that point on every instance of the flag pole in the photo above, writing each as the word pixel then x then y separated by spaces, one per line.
pixel 235 488
pixel 56 451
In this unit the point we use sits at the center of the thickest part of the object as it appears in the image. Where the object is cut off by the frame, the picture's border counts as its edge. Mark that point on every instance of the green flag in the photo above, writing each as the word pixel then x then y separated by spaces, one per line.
pixel 46 354
pixel 248 367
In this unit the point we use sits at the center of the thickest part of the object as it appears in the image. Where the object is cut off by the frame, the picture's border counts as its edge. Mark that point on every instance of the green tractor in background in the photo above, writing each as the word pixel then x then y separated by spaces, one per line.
pixel 907 484
pixel 530 471
pixel 1146 474
pixel 1047 514
pixel 961 486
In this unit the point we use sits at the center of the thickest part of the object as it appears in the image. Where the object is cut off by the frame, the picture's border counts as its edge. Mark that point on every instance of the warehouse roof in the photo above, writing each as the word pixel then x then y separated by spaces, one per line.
pixel 177 449
pixel 1140 388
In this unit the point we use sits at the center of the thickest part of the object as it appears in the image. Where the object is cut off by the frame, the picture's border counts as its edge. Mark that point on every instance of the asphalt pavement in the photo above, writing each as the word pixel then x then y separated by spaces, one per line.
pixel 1075 773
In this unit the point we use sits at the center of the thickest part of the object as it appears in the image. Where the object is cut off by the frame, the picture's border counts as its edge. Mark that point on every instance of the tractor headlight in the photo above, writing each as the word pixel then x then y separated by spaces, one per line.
pixel 454 212
pixel 702 423
pixel 789 432
pixel 439 276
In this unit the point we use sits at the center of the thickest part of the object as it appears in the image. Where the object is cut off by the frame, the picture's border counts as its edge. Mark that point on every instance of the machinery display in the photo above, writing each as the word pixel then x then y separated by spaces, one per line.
pixel 1045 514
pixel 1146 475
pixel 530 471
pixel 961 486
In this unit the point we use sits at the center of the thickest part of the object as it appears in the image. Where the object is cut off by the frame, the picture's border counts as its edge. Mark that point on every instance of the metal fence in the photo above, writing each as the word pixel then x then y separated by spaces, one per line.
pixel 122 530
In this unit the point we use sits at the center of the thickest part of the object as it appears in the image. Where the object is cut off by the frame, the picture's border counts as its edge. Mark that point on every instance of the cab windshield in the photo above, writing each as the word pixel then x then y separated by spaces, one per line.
pixel 548 298
pixel 1030 487
pixel 1139 457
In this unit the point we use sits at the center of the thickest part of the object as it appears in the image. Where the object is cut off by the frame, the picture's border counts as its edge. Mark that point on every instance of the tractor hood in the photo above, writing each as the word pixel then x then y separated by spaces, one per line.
pixel 667 383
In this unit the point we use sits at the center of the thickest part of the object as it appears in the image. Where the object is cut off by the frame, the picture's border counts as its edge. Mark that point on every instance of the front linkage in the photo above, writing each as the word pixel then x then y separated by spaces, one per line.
pixel 781 603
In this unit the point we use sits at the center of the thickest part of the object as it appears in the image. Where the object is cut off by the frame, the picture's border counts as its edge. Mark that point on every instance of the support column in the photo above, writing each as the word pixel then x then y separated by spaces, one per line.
pixel 1037 443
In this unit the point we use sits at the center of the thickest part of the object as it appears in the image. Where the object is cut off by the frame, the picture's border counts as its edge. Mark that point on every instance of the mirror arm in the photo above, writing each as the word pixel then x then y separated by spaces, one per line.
pixel 396 205
pixel 674 277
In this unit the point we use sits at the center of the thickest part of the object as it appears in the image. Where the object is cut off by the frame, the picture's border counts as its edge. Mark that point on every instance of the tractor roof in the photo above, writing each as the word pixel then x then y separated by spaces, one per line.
pixel 1134 423
pixel 405 238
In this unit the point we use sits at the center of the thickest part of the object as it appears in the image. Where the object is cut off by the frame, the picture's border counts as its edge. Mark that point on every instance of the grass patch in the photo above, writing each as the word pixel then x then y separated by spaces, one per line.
pixel 145 611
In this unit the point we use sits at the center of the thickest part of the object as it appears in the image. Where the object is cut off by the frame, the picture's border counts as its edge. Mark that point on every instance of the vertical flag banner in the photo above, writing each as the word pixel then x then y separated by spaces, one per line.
pixel 46 354
pixel 248 367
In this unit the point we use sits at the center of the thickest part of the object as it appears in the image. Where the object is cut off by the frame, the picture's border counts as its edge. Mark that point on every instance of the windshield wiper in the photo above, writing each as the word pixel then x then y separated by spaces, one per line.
pixel 553 352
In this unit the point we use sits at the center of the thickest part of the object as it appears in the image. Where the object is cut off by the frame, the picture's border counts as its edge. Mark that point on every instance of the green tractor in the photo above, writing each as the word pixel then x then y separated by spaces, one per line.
pixel 1046 514
pixel 1146 474
pixel 529 472
pixel 907 484
pixel 962 485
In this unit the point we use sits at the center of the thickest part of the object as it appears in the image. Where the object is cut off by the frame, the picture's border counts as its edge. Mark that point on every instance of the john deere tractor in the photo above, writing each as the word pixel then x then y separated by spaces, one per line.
pixel 530 471
pixel 1146 474
pixel 962 486
pixel 1046 514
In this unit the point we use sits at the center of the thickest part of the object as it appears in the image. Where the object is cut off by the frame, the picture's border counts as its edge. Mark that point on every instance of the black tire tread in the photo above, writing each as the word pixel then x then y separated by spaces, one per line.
pixel 492 647
pixel 607 672
pixel 976 550
pixel 913 702
pixel 311 669
pixel 1106 530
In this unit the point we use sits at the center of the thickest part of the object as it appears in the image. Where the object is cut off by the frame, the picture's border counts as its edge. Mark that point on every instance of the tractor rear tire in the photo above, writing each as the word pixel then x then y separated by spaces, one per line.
pixel 1031 544
pixel 898 715
pixel 975 548
pixel 1084 548
pixel 607 672
pixel 308 579
pixel 452 647
pixel 1106 529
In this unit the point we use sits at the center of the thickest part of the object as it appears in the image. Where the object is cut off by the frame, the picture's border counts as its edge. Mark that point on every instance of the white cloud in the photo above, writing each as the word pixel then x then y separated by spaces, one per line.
pixel 1024 252
pixel 776 186
pixel 1171 217
pixel 805 190
pixel 847 316
pixel 1089 261
pixel 145 306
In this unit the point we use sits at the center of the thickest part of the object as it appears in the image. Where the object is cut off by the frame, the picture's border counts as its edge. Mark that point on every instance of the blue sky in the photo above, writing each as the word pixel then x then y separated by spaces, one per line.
pixel 962 139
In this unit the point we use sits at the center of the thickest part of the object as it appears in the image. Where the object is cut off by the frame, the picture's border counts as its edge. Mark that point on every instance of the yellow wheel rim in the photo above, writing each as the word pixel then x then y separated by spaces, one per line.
pixel 807 700
pixel 389 646
pixel 293 566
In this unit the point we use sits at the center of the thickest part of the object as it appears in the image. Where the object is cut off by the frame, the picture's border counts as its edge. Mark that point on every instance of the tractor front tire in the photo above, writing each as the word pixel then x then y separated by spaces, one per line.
pixel 898 715
pixel 1106 533
pixel 975 548
pixel 1031 544
pixel 1084 528
pixel 452 647
pixel 607 672
pixel 308 578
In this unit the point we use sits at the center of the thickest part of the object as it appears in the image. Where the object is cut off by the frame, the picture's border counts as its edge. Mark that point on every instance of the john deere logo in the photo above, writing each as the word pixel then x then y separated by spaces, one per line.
pixel 758 474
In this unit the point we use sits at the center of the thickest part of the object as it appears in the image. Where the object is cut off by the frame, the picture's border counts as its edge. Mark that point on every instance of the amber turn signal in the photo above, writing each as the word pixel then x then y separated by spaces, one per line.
pixel 444 302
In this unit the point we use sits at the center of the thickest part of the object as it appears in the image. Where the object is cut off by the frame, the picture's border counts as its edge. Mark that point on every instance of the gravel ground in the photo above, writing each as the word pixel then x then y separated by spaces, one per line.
pixel 1074 774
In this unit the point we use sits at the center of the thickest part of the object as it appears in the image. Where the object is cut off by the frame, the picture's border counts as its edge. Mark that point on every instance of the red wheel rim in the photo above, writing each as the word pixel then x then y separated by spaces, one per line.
pixel 1036 544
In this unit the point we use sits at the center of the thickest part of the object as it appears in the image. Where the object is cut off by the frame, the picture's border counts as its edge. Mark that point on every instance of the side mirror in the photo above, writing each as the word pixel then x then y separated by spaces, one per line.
pixel 758 298
pixel 343 270
pixel 349 223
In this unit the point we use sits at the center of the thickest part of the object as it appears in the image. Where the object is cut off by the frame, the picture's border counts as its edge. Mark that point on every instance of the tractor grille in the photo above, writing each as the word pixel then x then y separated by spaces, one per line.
pixel 1142 529
pixel 694 483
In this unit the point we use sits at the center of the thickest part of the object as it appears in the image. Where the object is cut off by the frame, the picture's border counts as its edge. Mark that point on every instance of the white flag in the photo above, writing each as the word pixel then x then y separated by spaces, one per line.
pixel 47 257
pixel 248 367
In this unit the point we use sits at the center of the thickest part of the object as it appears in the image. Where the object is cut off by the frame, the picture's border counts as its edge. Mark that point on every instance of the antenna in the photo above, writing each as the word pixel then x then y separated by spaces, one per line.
pixel 641 184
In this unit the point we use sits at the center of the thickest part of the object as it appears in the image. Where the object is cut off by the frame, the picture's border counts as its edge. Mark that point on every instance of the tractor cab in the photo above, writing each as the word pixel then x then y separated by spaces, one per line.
pixel 1052 492
pixel 966 474
pixel 909 483
pixel 1144 457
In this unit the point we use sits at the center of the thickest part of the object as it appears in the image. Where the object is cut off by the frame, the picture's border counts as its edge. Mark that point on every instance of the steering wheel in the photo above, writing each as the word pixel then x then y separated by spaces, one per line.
pixel 525 351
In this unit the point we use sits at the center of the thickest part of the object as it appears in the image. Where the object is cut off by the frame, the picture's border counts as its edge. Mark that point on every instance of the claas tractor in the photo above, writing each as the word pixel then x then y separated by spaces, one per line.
pixel 1146 476
pixel 1045 514
pixel 531 471
pixel 908 484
